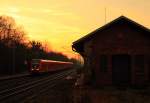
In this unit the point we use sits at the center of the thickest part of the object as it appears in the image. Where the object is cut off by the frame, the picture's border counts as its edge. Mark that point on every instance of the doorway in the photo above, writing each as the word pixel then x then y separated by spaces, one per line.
pixel 121 69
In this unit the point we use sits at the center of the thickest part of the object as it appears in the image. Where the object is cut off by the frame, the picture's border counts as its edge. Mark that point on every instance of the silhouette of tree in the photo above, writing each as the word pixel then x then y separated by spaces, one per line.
pixel 10 33
pixel 36 46
pixel 12 46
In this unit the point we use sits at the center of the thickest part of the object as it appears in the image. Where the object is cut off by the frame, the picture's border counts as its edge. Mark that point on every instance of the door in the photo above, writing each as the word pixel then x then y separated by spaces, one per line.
pixel 121 69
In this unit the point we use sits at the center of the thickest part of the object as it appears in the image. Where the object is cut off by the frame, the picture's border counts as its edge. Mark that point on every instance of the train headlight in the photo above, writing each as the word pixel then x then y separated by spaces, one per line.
pixel 37 69
pixel 32 69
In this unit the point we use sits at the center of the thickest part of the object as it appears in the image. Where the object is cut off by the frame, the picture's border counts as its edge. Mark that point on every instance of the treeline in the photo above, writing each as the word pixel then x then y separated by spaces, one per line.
pixel 16 49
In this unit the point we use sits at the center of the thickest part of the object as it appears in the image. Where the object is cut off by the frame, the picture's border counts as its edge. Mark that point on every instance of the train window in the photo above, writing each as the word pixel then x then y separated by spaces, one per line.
pixel 139 63
pixel 103 63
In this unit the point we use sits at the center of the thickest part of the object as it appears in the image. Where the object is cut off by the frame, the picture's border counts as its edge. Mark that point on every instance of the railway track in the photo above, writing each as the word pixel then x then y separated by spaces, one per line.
pixel 19 80
pixel 30 90
pixel 3 78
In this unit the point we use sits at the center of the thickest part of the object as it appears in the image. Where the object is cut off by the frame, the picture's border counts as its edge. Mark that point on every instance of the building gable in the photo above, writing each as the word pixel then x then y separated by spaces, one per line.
pixel 122 20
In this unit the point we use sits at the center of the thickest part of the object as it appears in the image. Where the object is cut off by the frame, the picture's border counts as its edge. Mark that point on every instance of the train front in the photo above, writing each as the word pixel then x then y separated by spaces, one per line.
pixel 35 66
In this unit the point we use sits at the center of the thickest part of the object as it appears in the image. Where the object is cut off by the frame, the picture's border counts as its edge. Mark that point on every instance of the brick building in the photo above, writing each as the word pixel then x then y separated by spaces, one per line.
pixel 117 53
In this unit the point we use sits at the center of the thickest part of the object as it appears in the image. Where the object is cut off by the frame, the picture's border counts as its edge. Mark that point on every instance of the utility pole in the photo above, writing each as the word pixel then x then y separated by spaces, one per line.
pixel 105 16
pixel 13 71
pixel 13 56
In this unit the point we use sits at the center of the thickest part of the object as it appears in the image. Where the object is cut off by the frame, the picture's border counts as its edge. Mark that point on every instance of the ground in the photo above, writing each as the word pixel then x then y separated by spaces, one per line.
pixel 68 92
pixel 111 95
pixel 61 93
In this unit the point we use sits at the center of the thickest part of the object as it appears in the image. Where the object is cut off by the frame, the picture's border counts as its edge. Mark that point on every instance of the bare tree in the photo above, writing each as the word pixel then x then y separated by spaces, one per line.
pixel 36 46
pixel 10 33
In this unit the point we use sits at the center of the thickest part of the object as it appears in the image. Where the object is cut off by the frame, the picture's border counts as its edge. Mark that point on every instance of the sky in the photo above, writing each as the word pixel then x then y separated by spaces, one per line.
pixel 60 22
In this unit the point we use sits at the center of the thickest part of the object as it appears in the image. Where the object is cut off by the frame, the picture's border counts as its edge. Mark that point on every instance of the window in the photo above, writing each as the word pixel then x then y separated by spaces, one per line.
pixel 103 63
pixel 139 63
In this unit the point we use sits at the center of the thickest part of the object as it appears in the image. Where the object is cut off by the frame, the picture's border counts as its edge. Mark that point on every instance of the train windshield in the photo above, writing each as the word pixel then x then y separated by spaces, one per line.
pixel 35 63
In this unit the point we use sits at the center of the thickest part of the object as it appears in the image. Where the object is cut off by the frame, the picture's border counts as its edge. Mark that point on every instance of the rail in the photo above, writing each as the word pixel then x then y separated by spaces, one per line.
pixel 8 93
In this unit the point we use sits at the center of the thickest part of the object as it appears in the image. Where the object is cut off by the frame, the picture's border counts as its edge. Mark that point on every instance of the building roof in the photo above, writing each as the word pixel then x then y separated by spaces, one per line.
pixel 78 43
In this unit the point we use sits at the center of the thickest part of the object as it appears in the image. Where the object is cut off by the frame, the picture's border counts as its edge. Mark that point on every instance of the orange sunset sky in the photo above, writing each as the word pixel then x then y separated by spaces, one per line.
pixel 60 22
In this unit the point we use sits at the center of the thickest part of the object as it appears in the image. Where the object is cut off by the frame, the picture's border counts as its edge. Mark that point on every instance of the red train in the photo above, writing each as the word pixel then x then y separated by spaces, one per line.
pixel 42 66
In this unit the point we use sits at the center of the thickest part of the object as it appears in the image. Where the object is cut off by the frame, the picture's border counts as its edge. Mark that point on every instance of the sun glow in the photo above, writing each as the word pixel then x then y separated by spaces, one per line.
pixel 60 22
pixel 13 10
